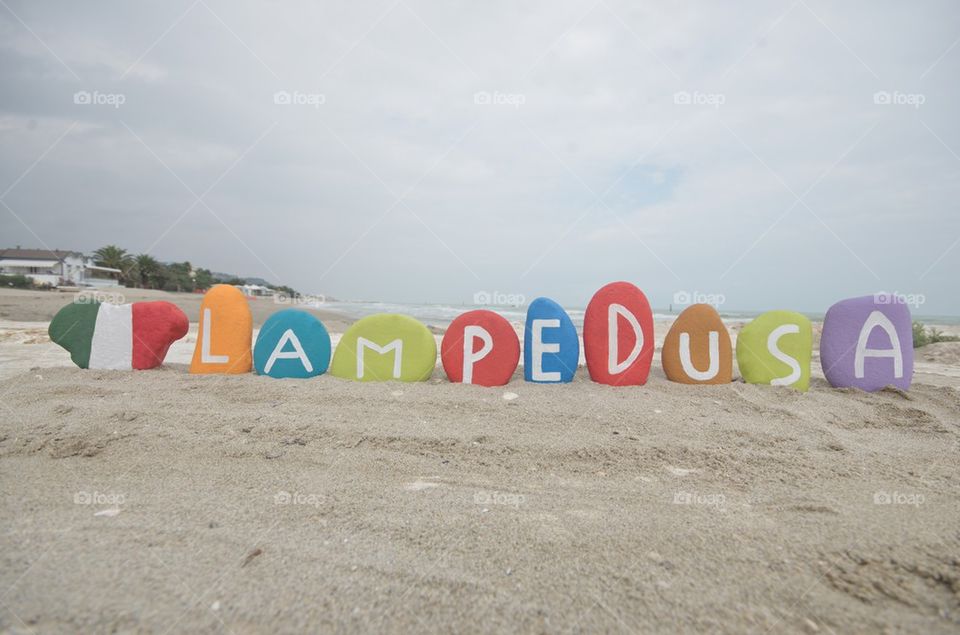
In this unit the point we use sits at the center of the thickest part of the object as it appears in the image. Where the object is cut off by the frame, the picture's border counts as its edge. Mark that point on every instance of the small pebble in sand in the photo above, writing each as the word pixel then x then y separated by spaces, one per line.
pixel 109 513
pixel 215 606
pixel 510 396
pixel 397 393
pixel 656 411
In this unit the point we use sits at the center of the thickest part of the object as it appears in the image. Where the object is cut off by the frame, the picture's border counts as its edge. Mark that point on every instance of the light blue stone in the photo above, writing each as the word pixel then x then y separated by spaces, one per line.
pixel 560 364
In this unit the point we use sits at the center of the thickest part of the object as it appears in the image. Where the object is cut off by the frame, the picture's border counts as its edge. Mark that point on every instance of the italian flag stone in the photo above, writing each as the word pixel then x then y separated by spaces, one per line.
pixel 118 336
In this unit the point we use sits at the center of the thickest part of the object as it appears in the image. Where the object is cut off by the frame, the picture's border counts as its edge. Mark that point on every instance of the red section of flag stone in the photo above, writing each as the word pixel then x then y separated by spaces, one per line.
pixel 498 365
pixel 156 325
pixel 596 335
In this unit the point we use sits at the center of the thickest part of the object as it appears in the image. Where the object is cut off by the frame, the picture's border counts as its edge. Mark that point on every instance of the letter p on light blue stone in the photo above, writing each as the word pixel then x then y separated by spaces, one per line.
pixel 292 343
pixel 551 348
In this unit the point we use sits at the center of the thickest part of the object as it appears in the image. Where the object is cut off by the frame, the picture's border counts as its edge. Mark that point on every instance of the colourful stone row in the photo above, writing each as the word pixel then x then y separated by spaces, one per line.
pixel 866 343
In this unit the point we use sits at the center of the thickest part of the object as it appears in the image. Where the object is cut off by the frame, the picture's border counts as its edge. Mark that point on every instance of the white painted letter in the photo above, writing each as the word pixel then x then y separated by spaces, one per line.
pixel 396 346
pixel 297 353
pixel 776 334
pixel 205 355
pixel 613 343
pixel 539 348
pixel 687 363
pixel 469 357
pixel 874 320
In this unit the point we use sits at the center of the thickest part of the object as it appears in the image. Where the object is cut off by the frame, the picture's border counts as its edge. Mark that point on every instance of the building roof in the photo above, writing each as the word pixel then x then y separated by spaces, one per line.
pixel 27 262
pixel 37 254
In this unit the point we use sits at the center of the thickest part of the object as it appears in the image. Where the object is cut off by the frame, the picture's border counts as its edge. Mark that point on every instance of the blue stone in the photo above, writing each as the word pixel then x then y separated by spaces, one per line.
pixel 292 343
pixel 550 330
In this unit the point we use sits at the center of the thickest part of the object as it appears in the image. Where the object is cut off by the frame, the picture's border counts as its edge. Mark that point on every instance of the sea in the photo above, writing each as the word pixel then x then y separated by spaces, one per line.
pixel 440 315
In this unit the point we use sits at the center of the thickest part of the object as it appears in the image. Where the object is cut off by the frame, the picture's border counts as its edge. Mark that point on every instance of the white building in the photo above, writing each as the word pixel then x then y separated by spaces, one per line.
pixel 56 268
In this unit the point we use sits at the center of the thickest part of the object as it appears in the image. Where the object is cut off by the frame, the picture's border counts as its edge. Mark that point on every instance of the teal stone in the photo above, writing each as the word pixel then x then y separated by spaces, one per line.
pixel 292 343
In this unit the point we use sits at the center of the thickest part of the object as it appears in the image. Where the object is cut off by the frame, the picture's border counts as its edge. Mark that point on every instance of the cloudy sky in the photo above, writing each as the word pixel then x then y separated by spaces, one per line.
pixel 783 154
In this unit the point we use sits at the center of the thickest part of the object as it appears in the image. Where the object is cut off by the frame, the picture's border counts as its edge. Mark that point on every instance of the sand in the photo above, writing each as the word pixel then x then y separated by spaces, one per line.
pixel 164 502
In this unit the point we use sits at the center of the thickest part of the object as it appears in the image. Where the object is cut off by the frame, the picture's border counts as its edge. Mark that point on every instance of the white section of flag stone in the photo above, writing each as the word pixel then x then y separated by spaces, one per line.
pixel 112 346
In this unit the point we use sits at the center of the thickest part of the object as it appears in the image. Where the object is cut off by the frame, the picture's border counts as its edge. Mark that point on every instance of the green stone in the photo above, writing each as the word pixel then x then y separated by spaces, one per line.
pixel 72 328
pixel 781 360
pixel 394 347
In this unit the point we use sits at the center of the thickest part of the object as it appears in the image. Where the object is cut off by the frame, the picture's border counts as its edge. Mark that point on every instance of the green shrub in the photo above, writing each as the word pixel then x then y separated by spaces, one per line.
pixel 923 335
pixel 17 281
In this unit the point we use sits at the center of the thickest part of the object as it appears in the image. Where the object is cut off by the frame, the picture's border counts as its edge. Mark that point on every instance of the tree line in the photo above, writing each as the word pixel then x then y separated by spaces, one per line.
pixel 143 271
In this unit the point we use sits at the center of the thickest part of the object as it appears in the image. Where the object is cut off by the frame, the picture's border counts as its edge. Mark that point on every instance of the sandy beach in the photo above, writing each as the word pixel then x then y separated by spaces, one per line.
pixel 164 502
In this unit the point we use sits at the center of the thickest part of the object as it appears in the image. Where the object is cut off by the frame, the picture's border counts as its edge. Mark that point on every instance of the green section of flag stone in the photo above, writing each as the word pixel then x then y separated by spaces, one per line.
pixel 72 328
pixel 394 335
pixel 761 360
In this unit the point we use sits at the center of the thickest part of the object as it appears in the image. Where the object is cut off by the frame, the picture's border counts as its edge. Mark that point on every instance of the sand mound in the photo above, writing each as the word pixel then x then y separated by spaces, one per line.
pixel 158 500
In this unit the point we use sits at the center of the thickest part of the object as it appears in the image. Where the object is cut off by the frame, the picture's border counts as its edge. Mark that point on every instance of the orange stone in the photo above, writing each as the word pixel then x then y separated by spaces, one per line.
pixel 225 335
pixel 697 348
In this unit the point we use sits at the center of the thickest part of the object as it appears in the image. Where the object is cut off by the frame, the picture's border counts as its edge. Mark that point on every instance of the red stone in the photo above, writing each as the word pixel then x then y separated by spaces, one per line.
pixel 498 365
pixel 596 336
pixel 156 325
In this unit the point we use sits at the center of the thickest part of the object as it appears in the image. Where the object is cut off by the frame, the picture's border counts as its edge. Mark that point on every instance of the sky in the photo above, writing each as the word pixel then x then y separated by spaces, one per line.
pixel 772 155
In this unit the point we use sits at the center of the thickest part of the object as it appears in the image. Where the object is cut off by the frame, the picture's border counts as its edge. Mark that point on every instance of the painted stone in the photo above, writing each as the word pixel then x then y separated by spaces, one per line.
pixel 480 347
pixel 551 348
pixel 292 343
pixel 697 349
pixel 618 337
pixel 118 336
pixel 867 343
pixel 775 349
pixel 385 347
pixel 225 333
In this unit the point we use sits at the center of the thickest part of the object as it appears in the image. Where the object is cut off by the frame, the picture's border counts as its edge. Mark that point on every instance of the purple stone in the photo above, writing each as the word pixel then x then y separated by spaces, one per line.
pixel 867 343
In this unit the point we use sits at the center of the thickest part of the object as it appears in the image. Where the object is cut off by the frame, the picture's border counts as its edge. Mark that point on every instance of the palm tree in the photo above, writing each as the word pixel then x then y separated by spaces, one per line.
pixel 147 268
pixel 115 258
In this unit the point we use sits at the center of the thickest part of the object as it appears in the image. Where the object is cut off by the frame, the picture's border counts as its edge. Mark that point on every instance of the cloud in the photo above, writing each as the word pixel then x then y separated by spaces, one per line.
pixel 678 147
